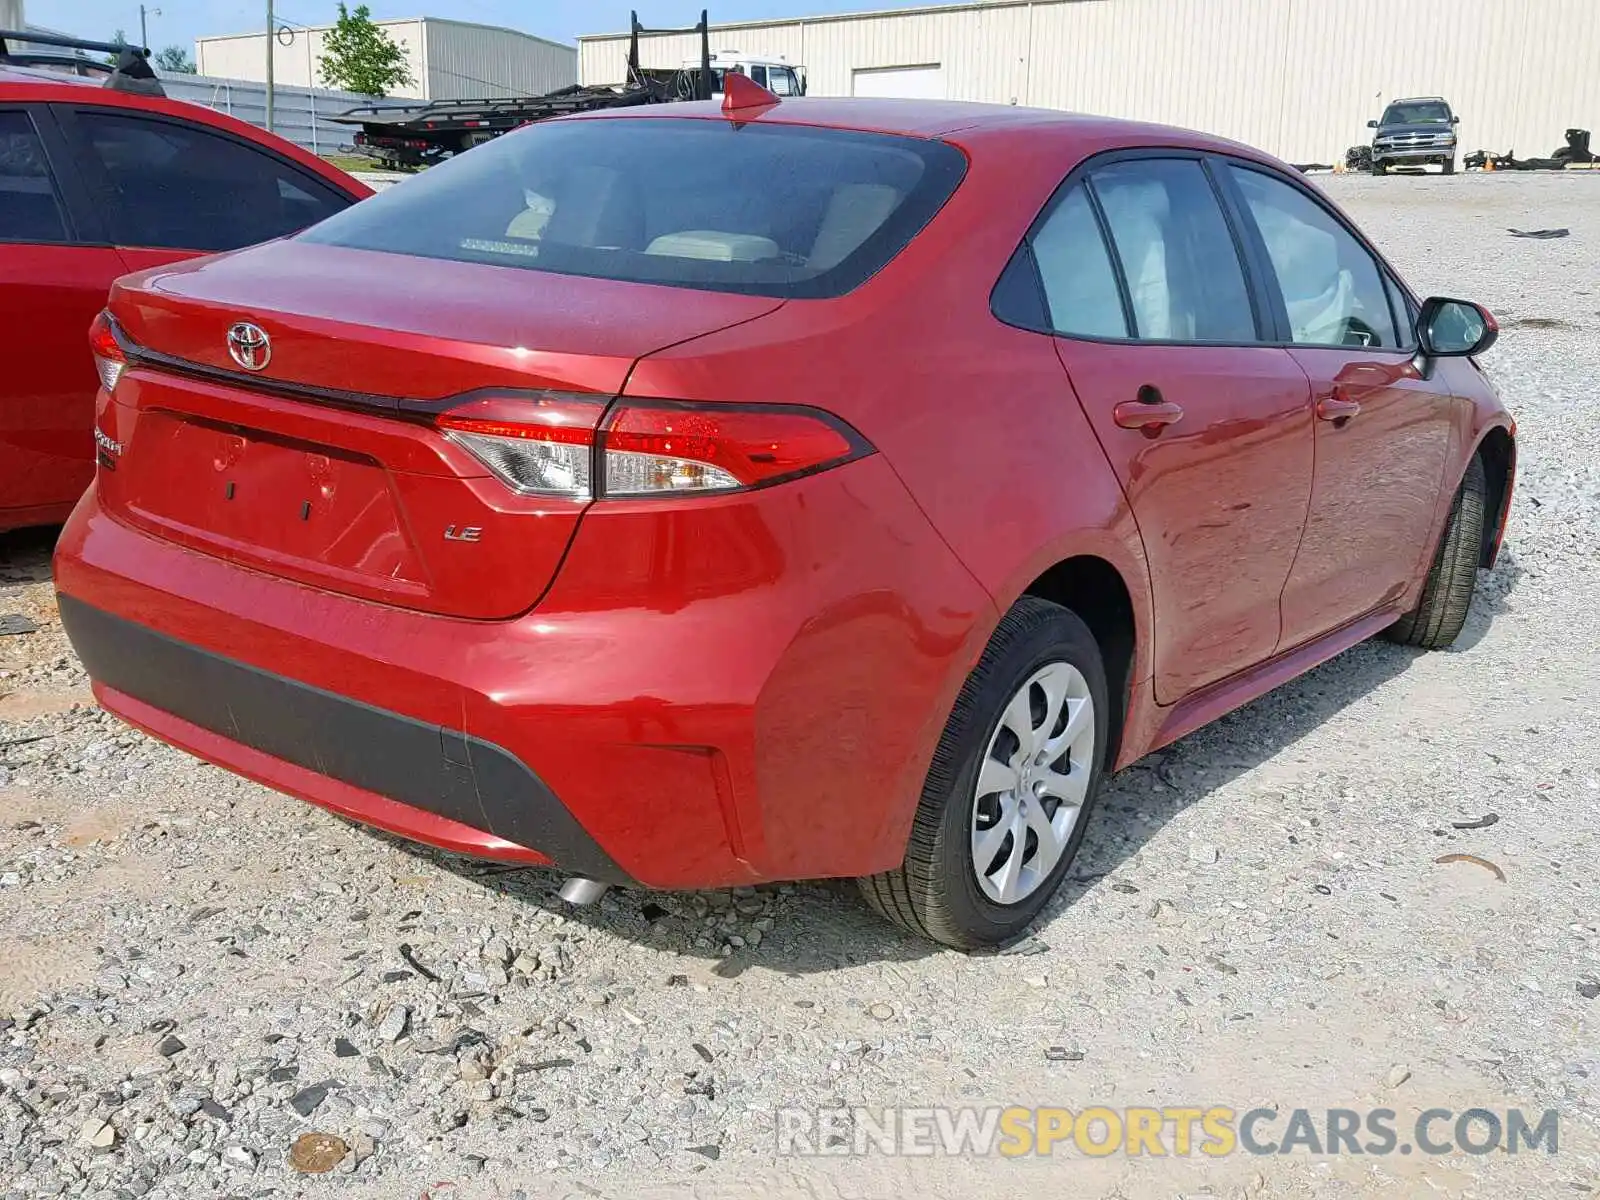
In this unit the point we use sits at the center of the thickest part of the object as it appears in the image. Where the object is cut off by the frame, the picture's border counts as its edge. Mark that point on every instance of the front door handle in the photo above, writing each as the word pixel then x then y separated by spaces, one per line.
pixel 1149 414
pixel 1337 408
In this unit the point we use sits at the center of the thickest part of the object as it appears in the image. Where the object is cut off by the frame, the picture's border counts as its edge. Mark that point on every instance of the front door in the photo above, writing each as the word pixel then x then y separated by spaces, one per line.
pixel 53 280
pixel 1383 433
pixel 1209 430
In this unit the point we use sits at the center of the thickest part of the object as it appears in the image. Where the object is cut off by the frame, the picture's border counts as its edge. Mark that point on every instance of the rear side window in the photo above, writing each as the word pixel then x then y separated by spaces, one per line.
pixel 178 187
pixel 30 210
pixel 1185 281
pixel 1080 285
pixel 771 210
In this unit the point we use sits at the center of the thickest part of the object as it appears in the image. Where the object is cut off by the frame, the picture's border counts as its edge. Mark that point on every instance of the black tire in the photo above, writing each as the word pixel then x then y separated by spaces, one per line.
pixel 1379 168
pixel 935 893
pixel 1449 166
pixel 1438 617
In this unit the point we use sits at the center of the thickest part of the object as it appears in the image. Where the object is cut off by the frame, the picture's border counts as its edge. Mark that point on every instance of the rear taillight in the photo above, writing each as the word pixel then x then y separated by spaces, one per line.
pixel 653 449
pixel 555 445
pixel 109 359
pixel 537 445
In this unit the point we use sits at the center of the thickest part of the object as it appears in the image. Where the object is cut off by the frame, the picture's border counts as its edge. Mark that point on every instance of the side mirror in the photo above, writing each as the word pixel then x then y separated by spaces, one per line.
pixel 1372 124
pixel 1455 120
pixel 1455 328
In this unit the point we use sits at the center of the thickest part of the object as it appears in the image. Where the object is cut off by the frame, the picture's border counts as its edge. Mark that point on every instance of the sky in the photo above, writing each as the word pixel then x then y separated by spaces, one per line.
pixel 181 21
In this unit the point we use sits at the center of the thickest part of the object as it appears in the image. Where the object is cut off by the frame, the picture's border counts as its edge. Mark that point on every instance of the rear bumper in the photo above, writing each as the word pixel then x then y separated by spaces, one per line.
pixel 733 690
pixel 395 772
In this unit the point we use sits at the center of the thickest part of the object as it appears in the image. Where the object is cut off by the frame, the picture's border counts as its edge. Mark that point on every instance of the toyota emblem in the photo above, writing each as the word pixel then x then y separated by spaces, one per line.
pixel 250 346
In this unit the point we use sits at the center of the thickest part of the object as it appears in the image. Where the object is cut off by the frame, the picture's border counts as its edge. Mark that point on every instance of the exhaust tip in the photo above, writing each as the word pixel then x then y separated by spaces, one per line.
pixel 581 891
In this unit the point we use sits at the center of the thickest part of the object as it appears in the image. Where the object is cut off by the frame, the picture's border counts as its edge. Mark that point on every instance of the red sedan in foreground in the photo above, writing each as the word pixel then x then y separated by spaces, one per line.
pixel 690 497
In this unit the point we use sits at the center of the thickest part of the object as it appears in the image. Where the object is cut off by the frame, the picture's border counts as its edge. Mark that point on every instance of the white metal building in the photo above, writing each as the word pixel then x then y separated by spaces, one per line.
pixel 449 60
pixel 1300 78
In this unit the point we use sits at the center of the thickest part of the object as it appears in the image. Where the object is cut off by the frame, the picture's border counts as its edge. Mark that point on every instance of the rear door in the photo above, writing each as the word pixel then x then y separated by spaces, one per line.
pixel 173 189
pixel 1383 433
pixel 55 271
pixel 1207 427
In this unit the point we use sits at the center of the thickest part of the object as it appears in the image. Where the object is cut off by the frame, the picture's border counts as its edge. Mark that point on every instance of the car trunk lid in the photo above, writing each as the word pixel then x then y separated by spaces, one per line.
pixel 323 465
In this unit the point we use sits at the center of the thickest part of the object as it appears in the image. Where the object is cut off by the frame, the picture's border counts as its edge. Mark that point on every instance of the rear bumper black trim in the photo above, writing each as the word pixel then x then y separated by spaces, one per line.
pixel 438 770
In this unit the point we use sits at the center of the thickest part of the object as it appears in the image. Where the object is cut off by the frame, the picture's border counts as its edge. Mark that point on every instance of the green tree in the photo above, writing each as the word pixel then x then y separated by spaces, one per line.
pixel 174 59
pixel 119 38
pixel 358 56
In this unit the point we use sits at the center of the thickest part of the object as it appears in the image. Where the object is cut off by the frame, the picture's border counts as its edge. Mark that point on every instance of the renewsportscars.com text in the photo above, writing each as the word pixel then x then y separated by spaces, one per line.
pixel 1215 1131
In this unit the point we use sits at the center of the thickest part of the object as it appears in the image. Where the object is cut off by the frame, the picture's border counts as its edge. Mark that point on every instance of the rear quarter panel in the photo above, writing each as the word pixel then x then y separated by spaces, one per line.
pixel 977 419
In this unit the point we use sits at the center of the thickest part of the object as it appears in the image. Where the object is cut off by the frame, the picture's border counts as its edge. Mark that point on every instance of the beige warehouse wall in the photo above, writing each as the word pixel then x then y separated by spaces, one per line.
pixel 1296 77
pixel 448 59
pixel 476 61
pixel 244 56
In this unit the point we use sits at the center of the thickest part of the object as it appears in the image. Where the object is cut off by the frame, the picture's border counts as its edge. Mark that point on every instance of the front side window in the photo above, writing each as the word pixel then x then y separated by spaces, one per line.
pixel 1184 278
pixel 178 187
pixel 781 81
pixel 781 210
pixel 759 75
pixel 1080 285
pixel 30 209
pixel 1332 288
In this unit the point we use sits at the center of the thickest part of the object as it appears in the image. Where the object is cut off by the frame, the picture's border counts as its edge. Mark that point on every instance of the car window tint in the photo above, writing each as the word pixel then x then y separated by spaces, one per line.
pixel 179 187
pixel 1080 285
pixel 772 210
pixel 30 210
pixel 1416 112
pixel 1332 288
pixel 1178 256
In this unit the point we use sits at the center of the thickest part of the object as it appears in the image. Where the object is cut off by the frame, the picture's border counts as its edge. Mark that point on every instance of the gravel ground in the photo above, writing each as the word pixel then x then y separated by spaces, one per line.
pixel 196 972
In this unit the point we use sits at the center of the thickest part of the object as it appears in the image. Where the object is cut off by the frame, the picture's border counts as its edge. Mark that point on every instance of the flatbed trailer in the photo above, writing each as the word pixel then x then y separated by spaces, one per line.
pixel 410 136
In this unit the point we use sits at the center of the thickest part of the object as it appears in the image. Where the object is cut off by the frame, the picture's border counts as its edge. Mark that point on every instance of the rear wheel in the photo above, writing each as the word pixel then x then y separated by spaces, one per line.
pixel 1007 799
pixel 1437 619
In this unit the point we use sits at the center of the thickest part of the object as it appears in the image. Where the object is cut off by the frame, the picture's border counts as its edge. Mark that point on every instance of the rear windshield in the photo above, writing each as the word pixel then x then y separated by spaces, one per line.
pixel 769 210
pixel 1415 112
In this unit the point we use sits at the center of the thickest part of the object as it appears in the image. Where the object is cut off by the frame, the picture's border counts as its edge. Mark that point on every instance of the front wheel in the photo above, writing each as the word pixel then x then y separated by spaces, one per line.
pixel 1007 799
pixel 1437 619
pixel 1379 168
pixel 1449 166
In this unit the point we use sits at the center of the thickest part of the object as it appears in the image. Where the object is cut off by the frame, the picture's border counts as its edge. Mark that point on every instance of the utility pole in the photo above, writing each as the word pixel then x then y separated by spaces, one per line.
pixel 272 37
pixel 144 32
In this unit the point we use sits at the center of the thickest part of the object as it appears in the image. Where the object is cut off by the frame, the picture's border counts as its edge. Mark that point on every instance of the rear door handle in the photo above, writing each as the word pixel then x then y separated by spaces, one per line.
pixel 1337 408
pixel 1149 413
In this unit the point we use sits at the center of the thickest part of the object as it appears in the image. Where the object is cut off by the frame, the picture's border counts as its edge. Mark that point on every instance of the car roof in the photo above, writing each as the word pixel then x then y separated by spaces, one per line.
pixel 964 121
pixel 55 87
pixel 1419 100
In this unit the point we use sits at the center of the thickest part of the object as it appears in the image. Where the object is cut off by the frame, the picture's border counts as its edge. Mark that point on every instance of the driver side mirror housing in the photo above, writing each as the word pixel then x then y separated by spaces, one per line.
pixel 1372 124
pixel 1455 328
pixel 1455 120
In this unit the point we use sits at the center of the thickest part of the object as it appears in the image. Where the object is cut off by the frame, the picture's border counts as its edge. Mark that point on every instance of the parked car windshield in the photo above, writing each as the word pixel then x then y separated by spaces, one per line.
pixel 1416 112
pixel 772 210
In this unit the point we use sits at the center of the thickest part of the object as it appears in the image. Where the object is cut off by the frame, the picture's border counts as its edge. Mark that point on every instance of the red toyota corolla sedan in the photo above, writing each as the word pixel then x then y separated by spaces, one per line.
pixel 831 488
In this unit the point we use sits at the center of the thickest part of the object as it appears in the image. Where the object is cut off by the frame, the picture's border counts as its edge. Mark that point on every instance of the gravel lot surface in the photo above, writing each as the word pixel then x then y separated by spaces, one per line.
pixel 196 972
